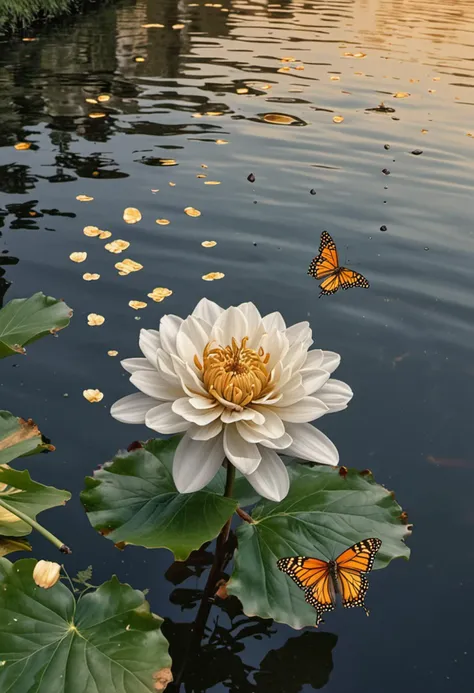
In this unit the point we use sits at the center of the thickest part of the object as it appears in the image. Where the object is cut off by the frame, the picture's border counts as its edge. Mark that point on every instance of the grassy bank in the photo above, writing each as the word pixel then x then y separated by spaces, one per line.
pixel 18 14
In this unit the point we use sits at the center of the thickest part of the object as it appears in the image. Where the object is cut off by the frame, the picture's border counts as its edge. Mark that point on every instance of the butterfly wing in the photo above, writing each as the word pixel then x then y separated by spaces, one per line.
pixel 327 262
pixel 348 279
pixel 352 565
pixel 312 575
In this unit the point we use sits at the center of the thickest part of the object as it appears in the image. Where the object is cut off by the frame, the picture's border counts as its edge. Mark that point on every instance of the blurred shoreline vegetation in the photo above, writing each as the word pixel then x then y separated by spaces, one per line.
pixel 19 14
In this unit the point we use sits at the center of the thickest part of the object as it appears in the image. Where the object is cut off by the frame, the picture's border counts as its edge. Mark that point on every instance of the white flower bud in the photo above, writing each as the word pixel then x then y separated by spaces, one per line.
pixel 46 574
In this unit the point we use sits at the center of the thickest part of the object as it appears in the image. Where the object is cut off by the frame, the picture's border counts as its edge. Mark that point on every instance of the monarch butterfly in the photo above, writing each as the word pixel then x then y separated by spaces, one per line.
pixel 323 580
pixel 325 266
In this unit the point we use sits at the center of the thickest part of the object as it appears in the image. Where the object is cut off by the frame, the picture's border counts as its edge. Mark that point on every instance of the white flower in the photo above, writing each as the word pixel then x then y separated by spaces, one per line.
pixel 238 386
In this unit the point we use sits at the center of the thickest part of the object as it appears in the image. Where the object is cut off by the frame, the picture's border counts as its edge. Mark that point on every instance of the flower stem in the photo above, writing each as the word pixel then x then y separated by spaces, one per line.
pixel 229 481
pixel 35 525
pixel 245 516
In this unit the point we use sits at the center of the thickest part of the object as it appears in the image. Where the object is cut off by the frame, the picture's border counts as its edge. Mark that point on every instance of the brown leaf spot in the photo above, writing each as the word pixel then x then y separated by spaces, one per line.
pixel 162 678
pixel 26 431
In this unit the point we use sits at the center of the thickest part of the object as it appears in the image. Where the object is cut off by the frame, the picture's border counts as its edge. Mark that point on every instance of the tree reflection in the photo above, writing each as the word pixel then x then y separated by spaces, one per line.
pixel 212 652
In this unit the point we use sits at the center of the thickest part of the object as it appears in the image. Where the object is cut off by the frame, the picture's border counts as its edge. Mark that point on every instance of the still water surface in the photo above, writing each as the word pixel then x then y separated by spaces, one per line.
pixel 406 343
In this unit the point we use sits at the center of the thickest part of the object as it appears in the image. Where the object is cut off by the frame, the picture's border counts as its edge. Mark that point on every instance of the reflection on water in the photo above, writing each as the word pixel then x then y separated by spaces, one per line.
pixel 245 92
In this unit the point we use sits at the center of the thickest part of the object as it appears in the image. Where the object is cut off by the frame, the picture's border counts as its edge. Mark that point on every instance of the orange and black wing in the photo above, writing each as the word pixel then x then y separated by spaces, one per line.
pixel 327 262
pixel 312 575
pixel 348 279
pixel 352 566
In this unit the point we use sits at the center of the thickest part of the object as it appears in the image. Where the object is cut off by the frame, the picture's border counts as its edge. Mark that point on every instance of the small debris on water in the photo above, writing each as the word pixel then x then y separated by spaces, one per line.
pixel 385 171
pixel 251 178
pixel 386 146
pixel 417 152
pixel 383 228
pixel 312 191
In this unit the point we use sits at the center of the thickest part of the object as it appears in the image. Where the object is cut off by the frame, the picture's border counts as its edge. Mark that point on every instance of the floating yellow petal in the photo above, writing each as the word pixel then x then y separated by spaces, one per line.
pixel 97 114
pixel 173 185
pixel 288 59
pixel 213 113
pixel 163 222
pixel 102 98
pixel 222 142
pixel 153 26
pixel 112 352
pixel 91 100
pixel 132 215
pixel 104 234
pixel 204 166
pixel 209 244
pixel 283 69
pixel 117 246
pixel 192 212
pixel 278 119
pixel 177 26
pixel 243 90
pixel 401 95
pixel 338 119
pixel 84 198
pixel 78 257
pixel 128 266
pixel 22 146
pixel 212 182
pixel 88 277
pixel 159 294
pixel 201 175
pixel 212 276
pixel 93 395
pixel 91 231
pixel 136 305
pixel 423 132
pixel 299 67
pixel 94 320
pixel 168 162
pixel 139 59
pixel 334 78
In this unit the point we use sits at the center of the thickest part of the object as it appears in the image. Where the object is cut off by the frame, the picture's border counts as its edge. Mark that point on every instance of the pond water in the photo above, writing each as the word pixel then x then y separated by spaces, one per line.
pixel 406 343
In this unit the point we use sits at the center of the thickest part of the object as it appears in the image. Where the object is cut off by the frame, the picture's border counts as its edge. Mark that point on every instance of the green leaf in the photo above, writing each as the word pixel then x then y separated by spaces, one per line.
pixel 18 437
pixel 324 513
pixel 24 320
pixel 84 576
pixel 107 641
pixel 133 500
pixel 20 492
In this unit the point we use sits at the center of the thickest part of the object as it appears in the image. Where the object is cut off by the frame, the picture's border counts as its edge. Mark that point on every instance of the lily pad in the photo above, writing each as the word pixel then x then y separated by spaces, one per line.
pixel 10 545
pixel 24 320
pixel 133 500
pixel 325 512
pixel 106 641
pixel 18 437
pixel 22 494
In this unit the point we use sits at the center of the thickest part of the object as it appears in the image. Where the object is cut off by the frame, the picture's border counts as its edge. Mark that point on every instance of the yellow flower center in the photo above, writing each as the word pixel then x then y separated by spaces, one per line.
pixel 234 375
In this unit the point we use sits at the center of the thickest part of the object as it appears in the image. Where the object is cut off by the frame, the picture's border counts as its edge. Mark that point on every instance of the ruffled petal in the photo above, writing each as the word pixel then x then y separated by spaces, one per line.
pixel 132 409
pixel 271 478
pixel 163 419
pixel 311 444
pixel 207 310
pixel 205 432
pixel 201 417
pixel 244 456
pixel 196 463
pixel 152 384
pixel 137 364
pixel 335 394
pixel 149 343
pixel 169 326
pixel 274 321
pixel 307 409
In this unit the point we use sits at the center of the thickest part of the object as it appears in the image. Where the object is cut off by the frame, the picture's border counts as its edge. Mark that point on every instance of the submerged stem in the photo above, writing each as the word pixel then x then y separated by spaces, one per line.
pixel 36 525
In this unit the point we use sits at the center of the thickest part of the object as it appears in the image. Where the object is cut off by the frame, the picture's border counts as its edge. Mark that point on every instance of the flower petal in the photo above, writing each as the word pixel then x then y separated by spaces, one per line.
pixel 331 361
pixel 314 379
pixel 230 416
pixel 244 456
pixel 271 426
pixel 149 343
pixel 274 321
pixel 138 364
pixel 196 463
pixel 230 324
pixel 314 359
pixel 169 326
pixel 205 432
pixel 163 419
pixel 207 310
pixel 152 384
pixel 132 409
pixel 282 443
pixel 311 444
pixel 202 402
pixel 201 417
pixel 335 394
pixel 255 326
pixel 271 478
pixel 189 378
pixel 307 409
pixel 301 332
pixel 190 341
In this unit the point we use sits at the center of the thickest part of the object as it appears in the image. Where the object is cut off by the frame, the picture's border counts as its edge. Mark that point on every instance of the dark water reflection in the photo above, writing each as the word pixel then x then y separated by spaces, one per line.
pixel 407 343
